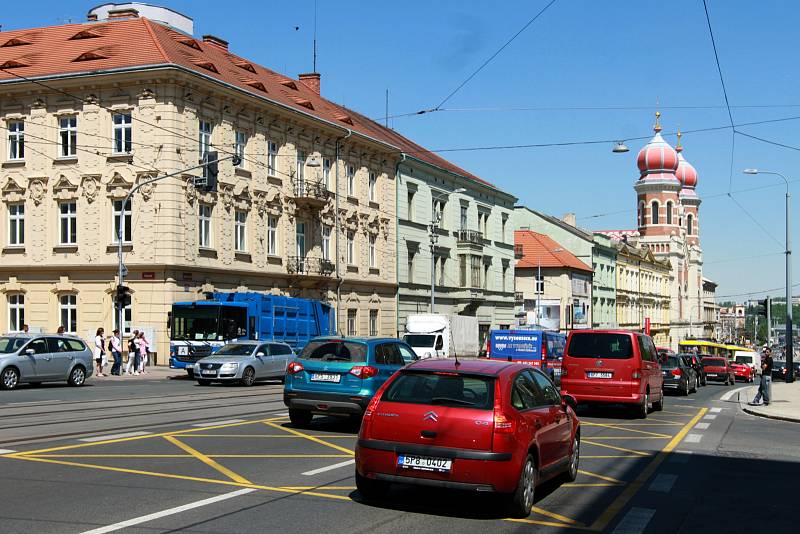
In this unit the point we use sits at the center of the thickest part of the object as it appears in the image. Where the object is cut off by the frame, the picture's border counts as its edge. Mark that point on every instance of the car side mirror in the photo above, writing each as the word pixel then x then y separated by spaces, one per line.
pixel 260 355
pixel 569 400
pixel 30 352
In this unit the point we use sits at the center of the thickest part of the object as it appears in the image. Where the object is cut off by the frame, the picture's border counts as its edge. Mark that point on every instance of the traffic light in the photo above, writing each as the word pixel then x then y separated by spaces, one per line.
pixel 210 171
pixel 123 296
pixel 763 306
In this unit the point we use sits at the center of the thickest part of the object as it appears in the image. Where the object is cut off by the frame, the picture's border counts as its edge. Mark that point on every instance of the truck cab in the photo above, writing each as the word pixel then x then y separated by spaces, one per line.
pixel 428 345
pixel 439 335
pixel 200 328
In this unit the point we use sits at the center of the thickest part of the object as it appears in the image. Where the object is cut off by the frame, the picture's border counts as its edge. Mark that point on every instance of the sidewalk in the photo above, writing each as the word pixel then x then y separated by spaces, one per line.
pixel 157 372
pixel 785 404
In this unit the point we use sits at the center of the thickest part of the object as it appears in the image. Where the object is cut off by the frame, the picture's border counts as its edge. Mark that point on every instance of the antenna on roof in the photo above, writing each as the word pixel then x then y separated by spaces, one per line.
pixel 315 38
pixel 386 117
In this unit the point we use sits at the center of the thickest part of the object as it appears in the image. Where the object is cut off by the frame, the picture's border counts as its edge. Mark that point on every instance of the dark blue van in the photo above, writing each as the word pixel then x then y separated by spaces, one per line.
pixel 529 346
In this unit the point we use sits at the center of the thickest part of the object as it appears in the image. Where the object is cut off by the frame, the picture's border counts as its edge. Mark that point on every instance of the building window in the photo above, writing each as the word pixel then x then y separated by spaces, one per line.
pixel 240 235
pixel 272 158
pixel 690 224
pixel 462 264
pixel 16 225
pixel 300 239
pixel 68 308
pixel 351 180
pixel 373 323
pixel 204 226
pixel 326 242
pixel 16 312
pixel 300 172
pixel 410 201
pixel 437 212
pixel 68 136
pixel 351 248
pixel 373 260
pixel 127 311
pixel 272 235
pixel 654 212
pixel 68 223
pixel 485 276
pixel 482 219
pixel 123 133
pixel 441 269
pixel 463 217
pixel 16 140
pixel 205 138
pixel 539 284
pixel 126 216
pixel 351 322
pixel 411 258
pixel 475 271
pixel 504 222
pixel 326 172
pixel 238 147
pixel 642 220
pixel 669 212
pixel 373 184
pixel 505 278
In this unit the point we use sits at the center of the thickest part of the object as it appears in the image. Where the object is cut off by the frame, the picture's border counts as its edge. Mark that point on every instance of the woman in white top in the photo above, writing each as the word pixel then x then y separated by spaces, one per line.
pixel 99 351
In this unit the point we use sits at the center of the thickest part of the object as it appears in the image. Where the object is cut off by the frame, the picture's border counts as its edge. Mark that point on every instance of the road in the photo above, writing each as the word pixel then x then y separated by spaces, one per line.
pixel 170 456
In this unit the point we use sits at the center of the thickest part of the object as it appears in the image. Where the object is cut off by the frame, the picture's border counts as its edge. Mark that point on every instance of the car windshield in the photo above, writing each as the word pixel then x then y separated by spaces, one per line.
pixel 337 350
pixel 671 362
pixel 598 345
pixel 419 340
pixel 713 362
pixel 442 389
pixel 11 344
pixel 235 349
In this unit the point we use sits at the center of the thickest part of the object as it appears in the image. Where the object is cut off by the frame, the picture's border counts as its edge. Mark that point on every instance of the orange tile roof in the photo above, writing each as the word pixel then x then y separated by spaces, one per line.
pixel 139 42
pixel 539 250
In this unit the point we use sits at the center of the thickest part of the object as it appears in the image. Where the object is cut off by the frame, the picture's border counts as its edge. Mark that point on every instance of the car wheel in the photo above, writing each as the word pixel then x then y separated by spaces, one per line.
pixel 522 499
pixel 203 382
pixel 643 408
pixel 77 377
pixel 10 378
pixel 694 385
pixel 658 406
pixel 300 418
pixel 371 490
pixel 685 390
pixel 574 460
pixel 248 377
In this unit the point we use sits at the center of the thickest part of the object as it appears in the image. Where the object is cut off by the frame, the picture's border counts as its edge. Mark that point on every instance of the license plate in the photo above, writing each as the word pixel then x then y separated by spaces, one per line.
pixel 209 372
pixel 425 463
pixel 711 374
pixel 557 372
pixel 326 377
pixel 598 374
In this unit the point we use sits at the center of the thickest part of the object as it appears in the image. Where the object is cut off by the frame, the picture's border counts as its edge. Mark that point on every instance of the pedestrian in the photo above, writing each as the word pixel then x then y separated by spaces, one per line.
pixel 133 355
pixel 60 330
pixel 115 347
pixel 99 350
pixel 143 345
pixel 765 384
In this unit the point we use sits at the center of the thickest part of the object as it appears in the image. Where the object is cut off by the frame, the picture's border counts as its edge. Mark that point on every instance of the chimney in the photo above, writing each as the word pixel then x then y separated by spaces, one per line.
pixel 311 80
pixel 569 218
pixel 216 41
pixel 123 13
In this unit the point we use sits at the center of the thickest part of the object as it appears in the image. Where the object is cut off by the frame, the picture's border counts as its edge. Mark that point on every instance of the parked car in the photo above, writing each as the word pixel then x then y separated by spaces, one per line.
pixel 339 376
pixel 697 365
pixel 742 371
pixel 37 358
pixel 679 375
pixel 718 369
pixel 245 362
pixel 613 367
pixel 486 426
pixel 779 369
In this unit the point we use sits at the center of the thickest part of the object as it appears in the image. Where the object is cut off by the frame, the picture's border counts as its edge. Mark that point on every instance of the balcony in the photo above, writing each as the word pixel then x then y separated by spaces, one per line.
pixel 310 194
pixel 309 266
pixel 469 238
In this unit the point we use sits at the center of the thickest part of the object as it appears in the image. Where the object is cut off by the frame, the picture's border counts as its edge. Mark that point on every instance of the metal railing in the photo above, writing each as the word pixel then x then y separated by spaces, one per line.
pixel 309 266
pixel 310 190
pixel 473 237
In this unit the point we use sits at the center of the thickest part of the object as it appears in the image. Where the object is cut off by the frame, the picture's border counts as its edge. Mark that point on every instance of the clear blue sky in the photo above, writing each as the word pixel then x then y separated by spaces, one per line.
pixel 580 53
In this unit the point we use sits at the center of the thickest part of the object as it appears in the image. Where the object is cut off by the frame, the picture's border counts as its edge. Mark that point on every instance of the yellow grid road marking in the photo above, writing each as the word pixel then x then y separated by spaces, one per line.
pixel 633 487
pixel 619 427
pixel 601 477
pixel 156 456
pixel 311 438
pixel 208 461
pixel 614 447
pixel 559 517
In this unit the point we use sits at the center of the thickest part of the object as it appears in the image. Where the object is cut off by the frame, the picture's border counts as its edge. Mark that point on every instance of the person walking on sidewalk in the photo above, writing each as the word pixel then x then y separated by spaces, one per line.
pixel 115 346
pixel 765 385
pixel 133 354
pixel 141 343
pixel 99 351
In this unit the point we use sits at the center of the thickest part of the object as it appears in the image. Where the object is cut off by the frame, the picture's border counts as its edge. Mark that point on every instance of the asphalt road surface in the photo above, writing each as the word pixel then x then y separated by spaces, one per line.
pixel 156 456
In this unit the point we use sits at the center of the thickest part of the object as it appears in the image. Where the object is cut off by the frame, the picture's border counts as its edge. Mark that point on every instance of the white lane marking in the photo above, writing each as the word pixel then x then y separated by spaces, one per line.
pixel 6 451
pixel 282 414
pixel 170 511
pixel 710 417
pixel 702 426
pixel 329 468
pixel 693 438
pixel 680 457
pixel 115 436
pixel 32 402
pixel 663 483
pixel 635 521
pixel 715 410
pixel 225 422
pixel 729 395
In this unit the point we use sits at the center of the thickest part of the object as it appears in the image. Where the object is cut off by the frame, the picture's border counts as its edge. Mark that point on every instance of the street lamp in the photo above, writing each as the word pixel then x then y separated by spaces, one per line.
pixel 434 237
pixel 620 148
pixel 789 331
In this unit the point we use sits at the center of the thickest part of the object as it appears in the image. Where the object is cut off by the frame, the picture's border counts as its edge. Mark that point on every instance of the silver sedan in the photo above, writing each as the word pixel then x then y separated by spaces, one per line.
pixel 245 362
pixel 37 358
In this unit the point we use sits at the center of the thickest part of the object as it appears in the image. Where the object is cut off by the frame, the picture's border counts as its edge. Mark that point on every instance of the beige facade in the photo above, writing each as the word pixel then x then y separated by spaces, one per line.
pixel 557 291
pixel 643 292
pixel 268 227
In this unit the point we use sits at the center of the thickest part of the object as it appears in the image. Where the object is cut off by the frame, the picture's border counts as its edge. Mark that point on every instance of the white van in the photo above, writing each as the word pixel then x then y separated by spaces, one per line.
pixel 748 357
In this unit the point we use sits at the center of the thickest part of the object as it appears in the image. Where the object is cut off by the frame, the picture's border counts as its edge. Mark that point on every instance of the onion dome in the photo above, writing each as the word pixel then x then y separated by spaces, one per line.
pixel 686 173
pixel 657 156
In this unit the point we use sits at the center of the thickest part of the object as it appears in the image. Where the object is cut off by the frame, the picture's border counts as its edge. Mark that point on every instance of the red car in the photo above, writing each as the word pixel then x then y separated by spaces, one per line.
pixel 479 425
pixel 613 367
pixel 740 370
pixel 718 369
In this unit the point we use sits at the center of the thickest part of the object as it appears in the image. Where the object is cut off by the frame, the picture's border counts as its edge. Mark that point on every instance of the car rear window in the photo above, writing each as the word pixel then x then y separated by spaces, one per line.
pixel 713 362
pixel 442 389
pixel 338 351
pixel 671 362
pixel 597 345
pixel 744 359
pixel 11 344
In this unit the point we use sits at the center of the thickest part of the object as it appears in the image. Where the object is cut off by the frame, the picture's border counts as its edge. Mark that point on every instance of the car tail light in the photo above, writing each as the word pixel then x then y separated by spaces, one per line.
pixel 294 367
pixel 363 371
pixel 502 424
pixel 676 372
pixel 488 348
pixel 371 407
pixel 637 374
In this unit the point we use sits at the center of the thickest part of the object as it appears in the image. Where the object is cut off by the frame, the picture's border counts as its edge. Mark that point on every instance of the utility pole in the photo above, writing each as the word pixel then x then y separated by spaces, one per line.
pixel 769 320
pixel 755 330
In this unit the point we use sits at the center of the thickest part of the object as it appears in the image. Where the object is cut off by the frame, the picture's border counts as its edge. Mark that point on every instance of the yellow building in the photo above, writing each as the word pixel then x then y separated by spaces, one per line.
pixel 643 291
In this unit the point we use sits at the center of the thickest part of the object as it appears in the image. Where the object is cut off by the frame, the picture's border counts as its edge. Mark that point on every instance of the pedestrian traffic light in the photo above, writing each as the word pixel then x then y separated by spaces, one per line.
pixel 123 296
pixel 763 306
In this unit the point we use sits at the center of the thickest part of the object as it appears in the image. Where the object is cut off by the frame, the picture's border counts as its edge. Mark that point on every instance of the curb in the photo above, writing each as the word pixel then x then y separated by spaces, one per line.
pixel 775 417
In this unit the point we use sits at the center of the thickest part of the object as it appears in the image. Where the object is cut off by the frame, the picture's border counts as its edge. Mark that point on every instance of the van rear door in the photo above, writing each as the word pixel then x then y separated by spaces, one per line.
pixel 599 364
